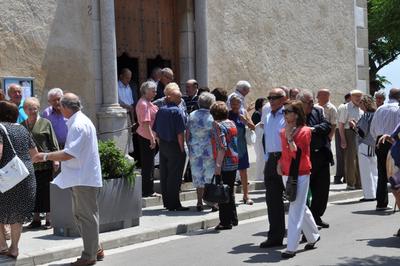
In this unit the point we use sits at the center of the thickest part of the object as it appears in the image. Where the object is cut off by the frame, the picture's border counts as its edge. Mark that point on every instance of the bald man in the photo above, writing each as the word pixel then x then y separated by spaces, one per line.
pixel 15 94
pixel 350 112
pixel 170 125
pixel 84 179
pixel 191 99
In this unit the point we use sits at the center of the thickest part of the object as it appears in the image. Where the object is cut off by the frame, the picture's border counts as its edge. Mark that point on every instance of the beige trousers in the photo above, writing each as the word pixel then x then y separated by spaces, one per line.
pixel 351 169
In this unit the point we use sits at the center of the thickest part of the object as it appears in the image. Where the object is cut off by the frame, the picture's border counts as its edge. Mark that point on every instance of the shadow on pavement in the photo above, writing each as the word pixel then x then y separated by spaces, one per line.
pixel 370 261
pixel 373 212
pixel 347 202
pixel 389 242
pixel 264 256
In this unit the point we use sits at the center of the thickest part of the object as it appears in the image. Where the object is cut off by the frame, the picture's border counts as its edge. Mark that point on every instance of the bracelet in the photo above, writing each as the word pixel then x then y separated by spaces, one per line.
pixel 45 156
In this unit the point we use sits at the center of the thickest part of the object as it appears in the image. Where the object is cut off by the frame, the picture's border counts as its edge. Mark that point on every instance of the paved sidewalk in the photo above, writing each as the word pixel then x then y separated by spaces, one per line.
pixel 39 247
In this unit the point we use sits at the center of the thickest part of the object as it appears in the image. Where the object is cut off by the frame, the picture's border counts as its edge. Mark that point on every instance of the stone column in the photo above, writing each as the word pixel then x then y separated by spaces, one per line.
pixel 201 42
pixel 112 119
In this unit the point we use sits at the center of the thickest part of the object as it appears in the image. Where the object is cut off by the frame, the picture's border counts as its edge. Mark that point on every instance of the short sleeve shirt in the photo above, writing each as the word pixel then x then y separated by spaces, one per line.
pixel 84 169
pixel 349 112
pixel 146 112
pixel 170 121
pixel 330 112
pixel 224 137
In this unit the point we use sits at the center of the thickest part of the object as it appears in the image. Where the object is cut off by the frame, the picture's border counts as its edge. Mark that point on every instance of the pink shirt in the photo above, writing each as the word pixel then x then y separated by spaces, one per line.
pixel 146 112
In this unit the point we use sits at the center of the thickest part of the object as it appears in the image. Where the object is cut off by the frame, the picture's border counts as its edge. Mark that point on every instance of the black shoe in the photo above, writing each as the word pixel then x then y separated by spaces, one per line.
pixel 311 245
pixel 35 224
pixel 288 255
pixel 214 209
pixel 235 223
pixel 379 209
pixel 270 244
pixel 337 180
pixel 181 208
pixel 223 227
pixel 199 208
pixel 303 239
pixel 322 224
pixel 365 200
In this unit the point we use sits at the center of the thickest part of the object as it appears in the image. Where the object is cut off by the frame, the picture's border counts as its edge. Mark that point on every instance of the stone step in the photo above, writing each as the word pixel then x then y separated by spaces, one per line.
pixel 189 193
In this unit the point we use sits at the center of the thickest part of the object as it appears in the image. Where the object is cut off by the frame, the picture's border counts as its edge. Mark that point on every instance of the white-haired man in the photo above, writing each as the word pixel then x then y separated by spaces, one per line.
pixel 54 115
pixel 167 76
pixel 15 94
pixel 242 88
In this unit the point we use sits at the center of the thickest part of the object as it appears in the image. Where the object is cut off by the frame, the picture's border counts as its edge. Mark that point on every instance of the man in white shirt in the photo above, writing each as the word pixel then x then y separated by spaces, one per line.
pixel 385 120
pixel 125 96
pixel 242 89
pixel 81 172
pixel 330 111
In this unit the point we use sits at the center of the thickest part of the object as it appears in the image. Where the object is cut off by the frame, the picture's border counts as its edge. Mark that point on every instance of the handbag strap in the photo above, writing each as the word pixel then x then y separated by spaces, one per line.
pixel 8 137
pixel 295 164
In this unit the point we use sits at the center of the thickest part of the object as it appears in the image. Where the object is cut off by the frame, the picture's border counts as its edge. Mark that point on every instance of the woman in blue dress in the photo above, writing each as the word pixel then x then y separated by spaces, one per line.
pixel 242 120
pixel 198 138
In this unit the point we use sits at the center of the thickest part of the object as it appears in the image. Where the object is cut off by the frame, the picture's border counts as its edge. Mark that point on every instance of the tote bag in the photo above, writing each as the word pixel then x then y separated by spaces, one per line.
pixel 14 171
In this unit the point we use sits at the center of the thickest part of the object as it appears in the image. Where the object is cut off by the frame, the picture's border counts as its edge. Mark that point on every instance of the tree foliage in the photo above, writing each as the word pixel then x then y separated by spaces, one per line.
pixel 384 37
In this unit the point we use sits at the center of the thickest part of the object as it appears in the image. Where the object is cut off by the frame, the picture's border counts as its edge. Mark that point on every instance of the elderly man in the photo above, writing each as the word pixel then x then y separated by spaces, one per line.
pixel 155 75
pixel 293 92
pixel 321 156
pixel 191 99
pixel 330 111
pixel 273 123
pixel 241 90
pixel 84 179
pixel 125 93
pixel 385 120
pixel 348 139
pixel 380 97
pixel 169 125
pixel 54 115
pixel 15 94
pixel 167 76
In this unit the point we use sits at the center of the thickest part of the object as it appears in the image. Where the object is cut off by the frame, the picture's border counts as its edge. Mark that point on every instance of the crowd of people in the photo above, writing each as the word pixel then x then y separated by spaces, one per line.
pixel 204 133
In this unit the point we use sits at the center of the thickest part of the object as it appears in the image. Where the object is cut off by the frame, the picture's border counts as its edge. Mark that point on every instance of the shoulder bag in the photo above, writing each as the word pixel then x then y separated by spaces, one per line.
pixel 216 191
pixel 14 171
pixel 291 183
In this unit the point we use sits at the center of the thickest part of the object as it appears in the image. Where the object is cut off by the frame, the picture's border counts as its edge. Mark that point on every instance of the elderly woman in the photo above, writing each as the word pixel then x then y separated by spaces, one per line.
pixel 242 120
pixel 18 202
pixel 224 142
pixel 146 112
pixel 198 136
pixel 297 137
pixel 366 149
pixel 45 139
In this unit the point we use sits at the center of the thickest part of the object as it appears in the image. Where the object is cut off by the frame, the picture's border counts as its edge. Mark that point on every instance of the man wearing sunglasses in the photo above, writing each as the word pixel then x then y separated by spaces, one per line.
pixel 274 121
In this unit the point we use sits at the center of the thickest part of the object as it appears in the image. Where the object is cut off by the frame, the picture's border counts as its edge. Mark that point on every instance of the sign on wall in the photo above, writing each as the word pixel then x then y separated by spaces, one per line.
pixel 26 84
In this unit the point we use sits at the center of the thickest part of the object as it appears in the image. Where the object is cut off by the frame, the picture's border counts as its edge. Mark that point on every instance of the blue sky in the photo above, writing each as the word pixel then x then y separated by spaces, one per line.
pixel 392 73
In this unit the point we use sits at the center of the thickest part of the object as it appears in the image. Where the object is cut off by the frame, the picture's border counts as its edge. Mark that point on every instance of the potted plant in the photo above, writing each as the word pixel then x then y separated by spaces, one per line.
pixel 120 198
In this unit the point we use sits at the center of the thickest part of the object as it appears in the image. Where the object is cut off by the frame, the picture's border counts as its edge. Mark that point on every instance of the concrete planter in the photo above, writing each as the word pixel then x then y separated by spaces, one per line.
pixel 120 206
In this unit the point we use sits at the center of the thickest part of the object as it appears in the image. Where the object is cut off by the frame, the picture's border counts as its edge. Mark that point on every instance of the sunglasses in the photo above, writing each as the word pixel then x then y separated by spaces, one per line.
pixel 272 98
pixel 288 111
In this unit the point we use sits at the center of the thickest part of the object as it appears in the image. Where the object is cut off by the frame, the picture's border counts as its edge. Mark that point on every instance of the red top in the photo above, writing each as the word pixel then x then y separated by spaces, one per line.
pixel 302 139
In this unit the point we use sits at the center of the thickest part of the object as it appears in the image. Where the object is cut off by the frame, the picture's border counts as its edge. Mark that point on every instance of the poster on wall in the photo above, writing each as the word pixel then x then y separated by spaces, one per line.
pixel 26 84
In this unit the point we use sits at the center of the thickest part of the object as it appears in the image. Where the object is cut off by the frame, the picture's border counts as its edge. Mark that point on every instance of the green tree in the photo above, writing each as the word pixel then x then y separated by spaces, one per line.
pixel 384 38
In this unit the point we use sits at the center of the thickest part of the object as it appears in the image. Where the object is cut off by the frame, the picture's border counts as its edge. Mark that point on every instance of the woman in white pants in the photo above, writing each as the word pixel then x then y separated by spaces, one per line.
pixel 296 136
pixel 366 149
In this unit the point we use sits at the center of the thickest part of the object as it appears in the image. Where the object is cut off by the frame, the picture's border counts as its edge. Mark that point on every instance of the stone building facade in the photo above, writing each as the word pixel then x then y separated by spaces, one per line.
pixel 79 45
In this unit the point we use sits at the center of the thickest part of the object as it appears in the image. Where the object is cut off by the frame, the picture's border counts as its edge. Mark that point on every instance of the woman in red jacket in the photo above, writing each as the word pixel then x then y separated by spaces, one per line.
pixel 293 137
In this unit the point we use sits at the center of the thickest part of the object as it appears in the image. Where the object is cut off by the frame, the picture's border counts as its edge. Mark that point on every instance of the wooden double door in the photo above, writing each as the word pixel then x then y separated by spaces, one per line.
pixel 147 36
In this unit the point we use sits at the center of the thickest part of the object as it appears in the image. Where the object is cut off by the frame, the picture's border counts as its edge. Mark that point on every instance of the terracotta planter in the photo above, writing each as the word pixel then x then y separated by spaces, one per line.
pixel 120 206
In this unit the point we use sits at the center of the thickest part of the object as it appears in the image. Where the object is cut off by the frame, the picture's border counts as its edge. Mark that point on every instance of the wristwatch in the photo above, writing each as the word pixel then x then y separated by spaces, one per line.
pixel 45 156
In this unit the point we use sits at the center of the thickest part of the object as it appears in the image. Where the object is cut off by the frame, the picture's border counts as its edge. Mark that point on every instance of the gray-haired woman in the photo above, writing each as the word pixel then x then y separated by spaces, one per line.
pixel 198 135
pixel 146 112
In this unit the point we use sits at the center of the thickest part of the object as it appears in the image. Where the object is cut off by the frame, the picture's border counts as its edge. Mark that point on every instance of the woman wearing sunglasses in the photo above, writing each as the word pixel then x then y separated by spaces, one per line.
pixel 296 136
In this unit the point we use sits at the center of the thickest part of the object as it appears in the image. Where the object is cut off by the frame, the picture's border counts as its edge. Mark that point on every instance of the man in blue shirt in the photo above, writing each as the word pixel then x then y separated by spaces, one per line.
pixel 15 94
pixel 273 123
pixel 169 126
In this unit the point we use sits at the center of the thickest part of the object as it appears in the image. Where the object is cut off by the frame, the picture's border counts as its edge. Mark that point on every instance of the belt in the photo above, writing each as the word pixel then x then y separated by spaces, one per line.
pixel 275 154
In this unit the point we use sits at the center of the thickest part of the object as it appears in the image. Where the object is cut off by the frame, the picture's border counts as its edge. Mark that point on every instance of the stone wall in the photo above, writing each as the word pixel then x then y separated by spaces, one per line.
pixel 308 43
pixel 51 41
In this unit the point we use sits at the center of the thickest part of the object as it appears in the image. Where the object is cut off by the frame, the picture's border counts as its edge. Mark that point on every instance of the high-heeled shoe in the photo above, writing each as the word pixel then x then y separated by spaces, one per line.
pixel 248 201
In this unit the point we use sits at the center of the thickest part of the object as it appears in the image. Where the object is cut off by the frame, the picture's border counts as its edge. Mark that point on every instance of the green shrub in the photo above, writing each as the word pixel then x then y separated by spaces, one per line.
pixel 114 164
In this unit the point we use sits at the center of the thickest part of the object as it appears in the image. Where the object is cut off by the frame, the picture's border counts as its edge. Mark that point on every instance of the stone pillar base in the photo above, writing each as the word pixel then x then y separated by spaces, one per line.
pixel 113 121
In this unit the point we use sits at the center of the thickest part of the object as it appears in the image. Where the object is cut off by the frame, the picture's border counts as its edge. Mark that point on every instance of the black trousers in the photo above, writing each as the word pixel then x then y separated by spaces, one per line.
pixel 319 183
pixel 273 194
pixel 227 211
pixel 147 172
pixel 381 189
pixel 172 162
pixel 43 179
pixel 339 156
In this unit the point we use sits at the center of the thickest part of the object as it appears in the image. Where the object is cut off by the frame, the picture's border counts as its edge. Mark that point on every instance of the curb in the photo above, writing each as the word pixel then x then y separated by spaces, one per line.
pixel 116 240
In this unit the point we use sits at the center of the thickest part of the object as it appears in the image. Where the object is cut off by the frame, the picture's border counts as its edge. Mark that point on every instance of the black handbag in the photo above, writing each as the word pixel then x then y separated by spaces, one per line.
pixel 291 183
pixel 216 191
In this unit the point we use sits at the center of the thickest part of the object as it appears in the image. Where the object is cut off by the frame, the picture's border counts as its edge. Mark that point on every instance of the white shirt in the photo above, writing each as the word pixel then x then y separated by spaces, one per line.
pixel 349 112
pixel 330 112
pixel 264 111
pixel 125 94
pixel 84 169
pixel 242 102
pixel 385 119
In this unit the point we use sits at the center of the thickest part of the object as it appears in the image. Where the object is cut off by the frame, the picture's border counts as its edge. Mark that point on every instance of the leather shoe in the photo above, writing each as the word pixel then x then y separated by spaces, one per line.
pixel 323 224
pixel 270 244
pixel 83 262
pixel 288 254
pixel 223 227
pixel 365 200
pixel 100 255
pixel 311 245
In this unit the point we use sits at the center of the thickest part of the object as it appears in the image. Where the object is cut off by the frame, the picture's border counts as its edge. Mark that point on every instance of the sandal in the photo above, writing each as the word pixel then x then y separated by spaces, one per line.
pixel 248 201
